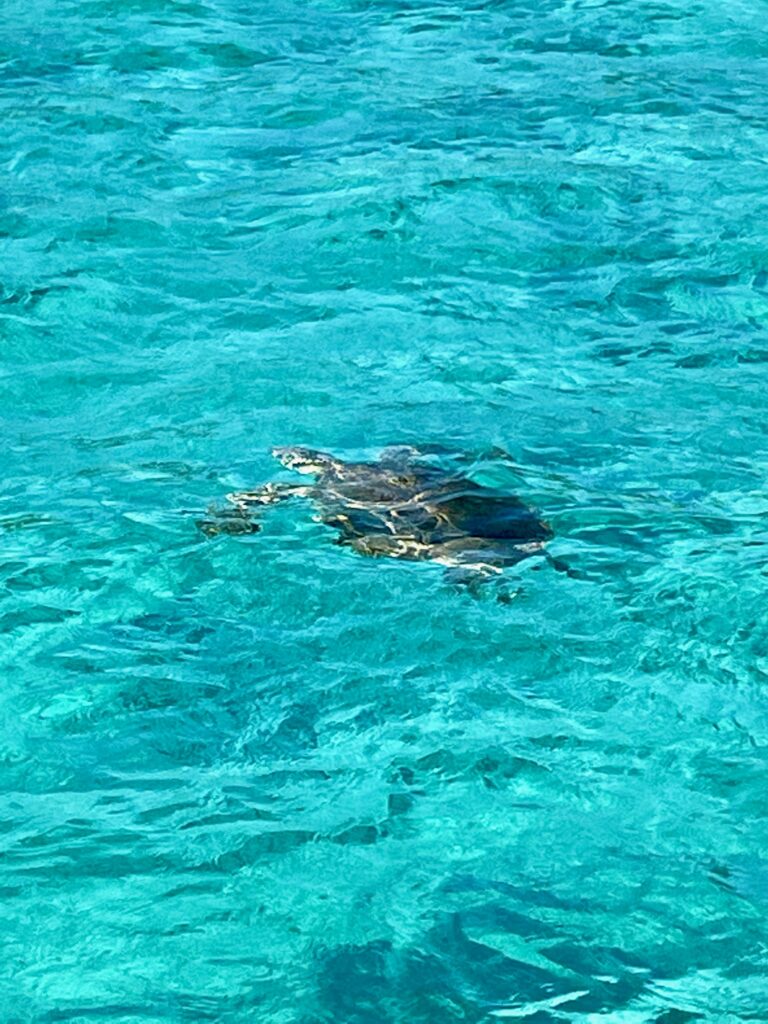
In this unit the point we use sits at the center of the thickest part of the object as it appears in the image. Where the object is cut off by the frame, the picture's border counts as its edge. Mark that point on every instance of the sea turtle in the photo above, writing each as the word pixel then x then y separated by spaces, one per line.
pixel 402 505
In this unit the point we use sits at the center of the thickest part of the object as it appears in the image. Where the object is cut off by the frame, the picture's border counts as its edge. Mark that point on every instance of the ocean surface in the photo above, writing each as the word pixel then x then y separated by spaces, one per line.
pixel 263 778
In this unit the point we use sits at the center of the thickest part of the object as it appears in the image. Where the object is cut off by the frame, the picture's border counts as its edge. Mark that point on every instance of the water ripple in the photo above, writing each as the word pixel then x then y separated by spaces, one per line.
pixel 262 777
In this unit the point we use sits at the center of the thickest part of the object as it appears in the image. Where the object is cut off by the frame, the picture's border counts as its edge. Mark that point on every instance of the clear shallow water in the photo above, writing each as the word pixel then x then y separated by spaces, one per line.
pixel 263 778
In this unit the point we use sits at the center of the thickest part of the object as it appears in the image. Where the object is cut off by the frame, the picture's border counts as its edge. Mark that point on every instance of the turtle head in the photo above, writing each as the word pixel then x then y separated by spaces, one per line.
pixel 304 460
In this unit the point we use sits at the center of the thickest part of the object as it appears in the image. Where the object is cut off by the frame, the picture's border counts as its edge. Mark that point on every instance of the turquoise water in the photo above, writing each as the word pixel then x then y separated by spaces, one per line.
pixel 266 779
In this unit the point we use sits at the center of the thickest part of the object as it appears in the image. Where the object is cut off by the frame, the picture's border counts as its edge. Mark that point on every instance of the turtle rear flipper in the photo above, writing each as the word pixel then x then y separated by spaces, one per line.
pixel 470 576
pixel 560 565
pixel 479 582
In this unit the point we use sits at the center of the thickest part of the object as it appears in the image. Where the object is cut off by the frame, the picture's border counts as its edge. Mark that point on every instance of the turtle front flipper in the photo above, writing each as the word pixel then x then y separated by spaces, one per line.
pixel 268 494
pixel 239 519
pixel 227 520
